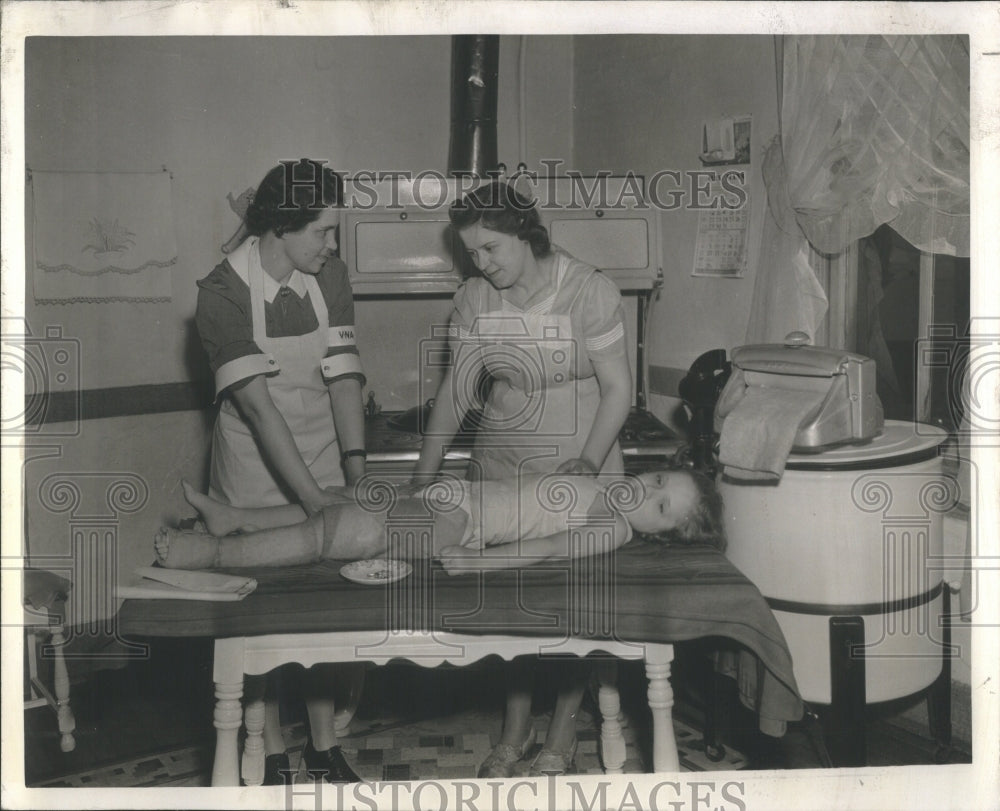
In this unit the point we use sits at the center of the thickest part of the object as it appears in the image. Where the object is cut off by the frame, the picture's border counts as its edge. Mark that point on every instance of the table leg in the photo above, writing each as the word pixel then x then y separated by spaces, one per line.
pixel 612 740
pixel 661 700
pixel 227 673
pixel 252 766
pixel 227 720
pixel 67 723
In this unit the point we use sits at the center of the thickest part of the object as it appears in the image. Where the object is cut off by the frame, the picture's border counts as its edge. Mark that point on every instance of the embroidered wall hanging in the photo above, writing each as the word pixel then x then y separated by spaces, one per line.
pixel 102 237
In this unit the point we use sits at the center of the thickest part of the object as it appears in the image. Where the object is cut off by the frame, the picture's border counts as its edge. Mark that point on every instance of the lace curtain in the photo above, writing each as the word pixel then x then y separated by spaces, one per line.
pixel 873 130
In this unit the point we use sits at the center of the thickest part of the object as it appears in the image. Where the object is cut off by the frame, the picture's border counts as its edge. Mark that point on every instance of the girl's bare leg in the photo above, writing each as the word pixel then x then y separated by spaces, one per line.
pixel 182 549
pixel 342 531
pixel 222 519
pixel 283 546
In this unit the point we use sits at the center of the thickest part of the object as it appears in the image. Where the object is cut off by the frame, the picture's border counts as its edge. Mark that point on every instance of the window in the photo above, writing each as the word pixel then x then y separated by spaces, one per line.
pixel 911 315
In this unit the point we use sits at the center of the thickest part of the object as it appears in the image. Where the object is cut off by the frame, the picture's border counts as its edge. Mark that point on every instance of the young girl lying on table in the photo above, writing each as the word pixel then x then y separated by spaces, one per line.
pixel 489 524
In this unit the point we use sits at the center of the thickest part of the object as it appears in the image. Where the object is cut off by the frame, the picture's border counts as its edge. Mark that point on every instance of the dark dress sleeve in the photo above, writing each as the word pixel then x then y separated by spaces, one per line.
pixel 226 330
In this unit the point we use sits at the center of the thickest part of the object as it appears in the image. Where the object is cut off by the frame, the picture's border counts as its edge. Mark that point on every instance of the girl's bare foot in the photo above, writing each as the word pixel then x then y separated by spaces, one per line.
pixel 220 519
pixel 180 549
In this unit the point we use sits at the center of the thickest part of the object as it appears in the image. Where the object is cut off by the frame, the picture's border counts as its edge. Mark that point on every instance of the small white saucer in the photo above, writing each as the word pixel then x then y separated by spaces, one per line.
pixel 376 572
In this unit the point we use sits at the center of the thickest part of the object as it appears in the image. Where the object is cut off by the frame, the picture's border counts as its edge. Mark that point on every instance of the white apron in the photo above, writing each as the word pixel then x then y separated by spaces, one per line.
pixel 538 413
pixel 239 474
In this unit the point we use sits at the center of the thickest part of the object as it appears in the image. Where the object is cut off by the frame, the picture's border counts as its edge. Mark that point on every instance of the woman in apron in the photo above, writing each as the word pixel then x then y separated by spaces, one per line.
pixel 277 321
pixel 549 330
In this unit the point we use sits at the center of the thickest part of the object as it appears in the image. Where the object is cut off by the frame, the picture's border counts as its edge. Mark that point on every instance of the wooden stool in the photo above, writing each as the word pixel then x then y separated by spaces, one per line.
pixel 43 592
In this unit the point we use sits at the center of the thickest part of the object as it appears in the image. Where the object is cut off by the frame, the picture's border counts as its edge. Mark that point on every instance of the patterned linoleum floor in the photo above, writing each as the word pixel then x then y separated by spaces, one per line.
pixel 398 751
pixel 150 724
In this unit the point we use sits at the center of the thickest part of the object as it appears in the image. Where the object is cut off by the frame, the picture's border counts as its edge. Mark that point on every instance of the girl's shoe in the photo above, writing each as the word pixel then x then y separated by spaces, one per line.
pixel 500 762
pixel 549 763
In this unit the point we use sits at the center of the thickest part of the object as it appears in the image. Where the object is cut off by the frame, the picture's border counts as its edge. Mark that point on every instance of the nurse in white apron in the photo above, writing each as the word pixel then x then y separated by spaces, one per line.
pixel 277 321
pixel 550 332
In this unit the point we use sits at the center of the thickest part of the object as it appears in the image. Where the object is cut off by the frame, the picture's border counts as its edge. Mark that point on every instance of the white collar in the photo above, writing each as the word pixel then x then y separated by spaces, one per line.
pixel 249 251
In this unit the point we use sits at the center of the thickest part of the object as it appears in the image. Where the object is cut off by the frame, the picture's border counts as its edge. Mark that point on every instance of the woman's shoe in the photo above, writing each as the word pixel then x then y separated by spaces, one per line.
pixel 549 763
pixel 277 771
pixel 500 762
pixel 329 764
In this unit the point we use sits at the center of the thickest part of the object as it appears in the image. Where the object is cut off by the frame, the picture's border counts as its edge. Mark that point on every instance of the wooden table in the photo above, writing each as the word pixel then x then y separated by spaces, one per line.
pixel 634 604
pixel 254 655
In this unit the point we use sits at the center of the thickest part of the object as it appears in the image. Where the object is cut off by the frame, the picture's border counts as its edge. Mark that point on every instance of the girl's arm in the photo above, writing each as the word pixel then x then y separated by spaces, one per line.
pixel 278 444
pixel 561 546
pixel 615 379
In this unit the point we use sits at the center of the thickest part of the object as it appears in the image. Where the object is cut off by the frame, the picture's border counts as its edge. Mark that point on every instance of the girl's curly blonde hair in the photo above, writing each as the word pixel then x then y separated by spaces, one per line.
pixel 705 525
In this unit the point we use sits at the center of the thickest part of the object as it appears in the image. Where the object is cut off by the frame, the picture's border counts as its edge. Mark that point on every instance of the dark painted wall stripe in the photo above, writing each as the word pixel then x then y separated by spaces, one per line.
pixel 124 401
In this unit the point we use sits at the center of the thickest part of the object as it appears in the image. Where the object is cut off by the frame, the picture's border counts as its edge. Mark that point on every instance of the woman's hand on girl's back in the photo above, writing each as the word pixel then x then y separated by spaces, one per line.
pixel 411 488
pixel 325 497
pixel 339 495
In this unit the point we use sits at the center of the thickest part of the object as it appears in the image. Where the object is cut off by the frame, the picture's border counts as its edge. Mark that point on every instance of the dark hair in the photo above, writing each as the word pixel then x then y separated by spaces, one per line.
pixel 501 208
pixel 292 195
pixel 705 525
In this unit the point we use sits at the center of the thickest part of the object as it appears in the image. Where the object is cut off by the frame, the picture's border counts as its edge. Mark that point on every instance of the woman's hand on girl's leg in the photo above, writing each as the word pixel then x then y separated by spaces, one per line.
pixel 461 560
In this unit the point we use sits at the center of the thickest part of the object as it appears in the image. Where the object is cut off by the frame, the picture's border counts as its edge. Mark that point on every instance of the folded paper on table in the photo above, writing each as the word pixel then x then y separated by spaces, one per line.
pixel 154 583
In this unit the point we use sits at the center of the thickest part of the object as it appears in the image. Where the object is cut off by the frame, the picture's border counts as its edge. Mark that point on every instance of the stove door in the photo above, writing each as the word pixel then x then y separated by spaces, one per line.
pixel 399 251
